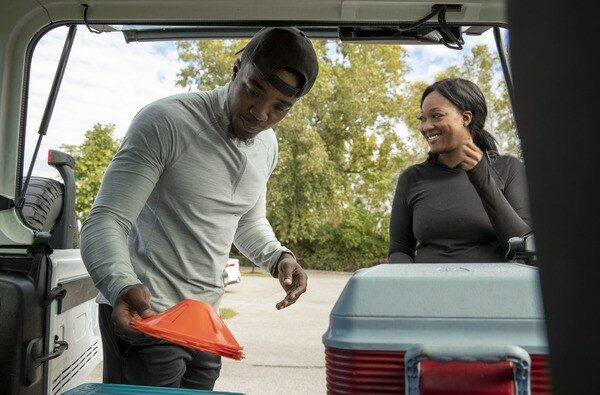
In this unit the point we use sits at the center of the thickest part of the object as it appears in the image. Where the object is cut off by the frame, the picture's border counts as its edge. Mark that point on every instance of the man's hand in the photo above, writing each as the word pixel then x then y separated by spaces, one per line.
pixel 132 304
pixel 471 155
pixel 292 278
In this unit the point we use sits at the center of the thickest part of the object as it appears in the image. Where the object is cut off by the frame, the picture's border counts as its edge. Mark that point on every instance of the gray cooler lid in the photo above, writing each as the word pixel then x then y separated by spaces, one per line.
pixel 442 290
pixel 393 306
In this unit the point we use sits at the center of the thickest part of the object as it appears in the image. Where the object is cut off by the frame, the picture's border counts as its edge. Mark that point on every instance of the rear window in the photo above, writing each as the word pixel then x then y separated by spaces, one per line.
pixel 342 146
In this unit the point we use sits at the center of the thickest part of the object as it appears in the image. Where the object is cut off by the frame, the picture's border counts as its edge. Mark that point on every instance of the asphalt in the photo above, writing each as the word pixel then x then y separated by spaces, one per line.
pixel 284 353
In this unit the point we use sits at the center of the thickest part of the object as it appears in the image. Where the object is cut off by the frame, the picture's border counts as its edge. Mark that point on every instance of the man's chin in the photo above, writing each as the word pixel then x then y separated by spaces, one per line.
pixel 244 135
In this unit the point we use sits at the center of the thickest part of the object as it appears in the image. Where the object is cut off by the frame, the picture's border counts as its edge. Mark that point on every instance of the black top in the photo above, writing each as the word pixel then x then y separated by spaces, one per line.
pixel 443 214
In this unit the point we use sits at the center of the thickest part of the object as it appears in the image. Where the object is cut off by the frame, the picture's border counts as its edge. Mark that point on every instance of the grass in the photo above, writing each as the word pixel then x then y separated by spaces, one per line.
pixel 226 313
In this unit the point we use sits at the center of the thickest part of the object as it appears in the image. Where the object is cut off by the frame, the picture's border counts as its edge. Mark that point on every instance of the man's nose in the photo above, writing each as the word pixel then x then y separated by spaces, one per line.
pixel 259 111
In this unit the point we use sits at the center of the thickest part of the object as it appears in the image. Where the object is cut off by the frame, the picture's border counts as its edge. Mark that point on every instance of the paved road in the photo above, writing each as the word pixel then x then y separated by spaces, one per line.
pixel 284 351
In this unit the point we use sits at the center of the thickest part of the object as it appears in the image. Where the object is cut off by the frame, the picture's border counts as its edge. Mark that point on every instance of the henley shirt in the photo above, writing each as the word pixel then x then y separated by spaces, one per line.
pixel 177 194
pixel 443 214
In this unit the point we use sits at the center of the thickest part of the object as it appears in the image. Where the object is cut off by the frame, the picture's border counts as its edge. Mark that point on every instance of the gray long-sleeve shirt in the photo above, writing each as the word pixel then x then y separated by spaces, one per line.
pixel 443 214
pixel 175 197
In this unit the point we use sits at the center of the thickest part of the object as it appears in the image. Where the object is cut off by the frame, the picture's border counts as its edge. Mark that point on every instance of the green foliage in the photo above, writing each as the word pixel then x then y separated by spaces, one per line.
pixel 207 72
pixel 506 127
pixel 359 239
pixel 411 113
pixel 91 160
pixel 226 313
pixel 302 186
pixel 481 66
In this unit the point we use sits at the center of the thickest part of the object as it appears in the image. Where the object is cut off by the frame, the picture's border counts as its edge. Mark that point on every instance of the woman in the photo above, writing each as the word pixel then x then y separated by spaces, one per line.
pixel 465 201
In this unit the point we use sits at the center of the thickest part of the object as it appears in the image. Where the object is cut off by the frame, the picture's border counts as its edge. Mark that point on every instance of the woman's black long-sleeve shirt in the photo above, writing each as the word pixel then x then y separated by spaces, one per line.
pixel 443 214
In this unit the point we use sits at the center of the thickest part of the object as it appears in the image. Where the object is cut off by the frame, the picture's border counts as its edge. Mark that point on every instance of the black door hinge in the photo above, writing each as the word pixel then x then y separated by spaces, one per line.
pixel 6 203
pixel 57 293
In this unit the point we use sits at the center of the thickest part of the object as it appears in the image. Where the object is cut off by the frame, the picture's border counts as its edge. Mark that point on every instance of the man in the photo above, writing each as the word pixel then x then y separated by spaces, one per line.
pixel 188 181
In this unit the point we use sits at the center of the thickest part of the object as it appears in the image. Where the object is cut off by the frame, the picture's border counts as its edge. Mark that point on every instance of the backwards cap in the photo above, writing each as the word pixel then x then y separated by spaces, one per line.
pixel 274 48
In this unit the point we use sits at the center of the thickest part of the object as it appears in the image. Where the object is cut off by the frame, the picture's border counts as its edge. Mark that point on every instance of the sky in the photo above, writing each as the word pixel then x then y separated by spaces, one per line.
pixel 108 81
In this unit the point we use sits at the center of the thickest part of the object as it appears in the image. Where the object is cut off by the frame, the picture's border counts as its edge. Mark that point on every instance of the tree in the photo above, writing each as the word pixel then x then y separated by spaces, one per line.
pixel 91 160
pixel 209 63
pixel 483 68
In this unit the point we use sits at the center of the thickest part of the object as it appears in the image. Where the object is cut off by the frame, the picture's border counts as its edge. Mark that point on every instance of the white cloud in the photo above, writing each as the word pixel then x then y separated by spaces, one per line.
pixel 425 61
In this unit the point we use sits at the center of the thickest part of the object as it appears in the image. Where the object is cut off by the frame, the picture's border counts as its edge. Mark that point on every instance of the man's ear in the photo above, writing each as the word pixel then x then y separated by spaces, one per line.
pixel 237 65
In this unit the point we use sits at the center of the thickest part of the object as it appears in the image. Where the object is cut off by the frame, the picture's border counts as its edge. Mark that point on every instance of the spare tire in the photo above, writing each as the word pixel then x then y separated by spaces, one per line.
pixel 43 203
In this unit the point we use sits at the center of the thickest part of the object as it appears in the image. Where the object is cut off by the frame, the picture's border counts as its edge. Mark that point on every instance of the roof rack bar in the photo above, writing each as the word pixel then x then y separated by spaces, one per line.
pixel 214 32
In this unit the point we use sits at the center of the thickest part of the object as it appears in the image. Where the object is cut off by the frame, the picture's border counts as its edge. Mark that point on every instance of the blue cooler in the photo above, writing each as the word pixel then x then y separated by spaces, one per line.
pixel 419 328
pixel 121 389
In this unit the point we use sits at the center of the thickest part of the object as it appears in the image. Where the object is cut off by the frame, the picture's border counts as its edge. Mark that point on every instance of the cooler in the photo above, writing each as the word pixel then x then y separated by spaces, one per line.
pixel 438 329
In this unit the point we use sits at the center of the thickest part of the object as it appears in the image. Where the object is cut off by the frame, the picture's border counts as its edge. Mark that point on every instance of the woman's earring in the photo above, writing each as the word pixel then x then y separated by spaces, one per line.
pixel 466 123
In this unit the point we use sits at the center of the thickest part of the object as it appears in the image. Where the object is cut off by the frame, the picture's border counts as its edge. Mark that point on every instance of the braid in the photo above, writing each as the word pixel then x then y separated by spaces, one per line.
pixel 484 140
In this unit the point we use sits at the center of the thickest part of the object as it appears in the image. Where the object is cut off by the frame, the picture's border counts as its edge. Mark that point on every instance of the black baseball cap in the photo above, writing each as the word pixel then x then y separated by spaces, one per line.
pixel 274 48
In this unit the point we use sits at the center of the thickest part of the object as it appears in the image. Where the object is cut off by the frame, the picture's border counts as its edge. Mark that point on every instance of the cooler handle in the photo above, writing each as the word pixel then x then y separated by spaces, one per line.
pixel 518 356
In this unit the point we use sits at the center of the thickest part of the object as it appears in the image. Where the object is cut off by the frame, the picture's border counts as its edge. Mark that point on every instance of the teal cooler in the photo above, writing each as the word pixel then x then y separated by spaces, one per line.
pixel 122 389
pixel 417 328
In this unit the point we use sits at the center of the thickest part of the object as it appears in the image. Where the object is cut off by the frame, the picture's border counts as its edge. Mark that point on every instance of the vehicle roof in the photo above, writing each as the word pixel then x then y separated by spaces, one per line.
pixel 483 11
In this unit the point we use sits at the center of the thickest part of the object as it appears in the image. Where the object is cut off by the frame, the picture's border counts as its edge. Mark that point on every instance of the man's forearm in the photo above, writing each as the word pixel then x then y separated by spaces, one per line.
pixel 255 239
pixel 106 256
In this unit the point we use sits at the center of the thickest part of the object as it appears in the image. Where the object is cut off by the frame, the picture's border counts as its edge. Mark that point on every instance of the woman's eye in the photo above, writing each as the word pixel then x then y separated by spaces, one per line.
pixel 436 116
pixel 421 118
pixel 253 92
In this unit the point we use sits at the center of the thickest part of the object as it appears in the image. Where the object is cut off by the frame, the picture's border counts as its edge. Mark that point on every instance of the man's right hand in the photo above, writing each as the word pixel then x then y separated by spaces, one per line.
pixel 132 304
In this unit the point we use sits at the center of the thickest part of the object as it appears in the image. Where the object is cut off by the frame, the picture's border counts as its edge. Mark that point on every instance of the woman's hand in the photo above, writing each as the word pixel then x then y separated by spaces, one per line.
pixel 470 155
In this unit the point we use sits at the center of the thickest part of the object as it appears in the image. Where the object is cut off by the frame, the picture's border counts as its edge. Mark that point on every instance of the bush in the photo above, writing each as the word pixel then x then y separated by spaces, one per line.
pixel 359 240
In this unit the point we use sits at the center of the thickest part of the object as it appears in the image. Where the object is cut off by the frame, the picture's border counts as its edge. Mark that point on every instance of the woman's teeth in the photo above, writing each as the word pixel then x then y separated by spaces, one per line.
pixel 433 137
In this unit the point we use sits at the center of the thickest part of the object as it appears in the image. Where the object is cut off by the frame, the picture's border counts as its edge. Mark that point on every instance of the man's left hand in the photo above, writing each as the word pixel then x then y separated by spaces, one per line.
pixel 292 278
